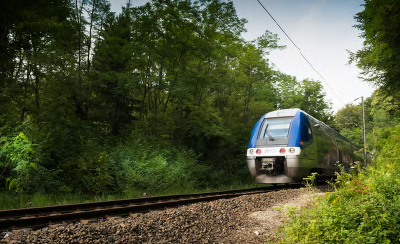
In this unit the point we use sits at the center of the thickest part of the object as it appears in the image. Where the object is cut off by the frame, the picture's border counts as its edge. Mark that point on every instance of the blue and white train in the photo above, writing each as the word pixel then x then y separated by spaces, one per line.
pixel 288 145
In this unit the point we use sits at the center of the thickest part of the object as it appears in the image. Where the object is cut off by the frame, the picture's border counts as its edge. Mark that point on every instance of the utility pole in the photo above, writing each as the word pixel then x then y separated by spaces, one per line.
pixel 365 144
pixel 363 119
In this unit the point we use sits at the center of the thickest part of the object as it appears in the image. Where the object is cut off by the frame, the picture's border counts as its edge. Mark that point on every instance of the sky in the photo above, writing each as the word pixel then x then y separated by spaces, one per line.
pixel 322 29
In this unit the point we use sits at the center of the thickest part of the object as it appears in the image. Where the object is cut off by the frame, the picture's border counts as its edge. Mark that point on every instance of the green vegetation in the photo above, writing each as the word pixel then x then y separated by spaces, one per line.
pixel 365 207
pixel 160 96
pixel 379 57
pixel 382 113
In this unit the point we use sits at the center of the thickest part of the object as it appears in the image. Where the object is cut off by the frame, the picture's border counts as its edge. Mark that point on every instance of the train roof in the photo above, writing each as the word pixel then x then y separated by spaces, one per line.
pixel 283 113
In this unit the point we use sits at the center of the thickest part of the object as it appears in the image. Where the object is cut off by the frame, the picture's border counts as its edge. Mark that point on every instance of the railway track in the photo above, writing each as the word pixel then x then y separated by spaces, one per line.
pixel 43 216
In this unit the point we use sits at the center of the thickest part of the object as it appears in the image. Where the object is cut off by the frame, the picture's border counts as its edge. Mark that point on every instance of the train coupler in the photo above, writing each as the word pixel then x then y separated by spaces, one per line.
pixel 268 164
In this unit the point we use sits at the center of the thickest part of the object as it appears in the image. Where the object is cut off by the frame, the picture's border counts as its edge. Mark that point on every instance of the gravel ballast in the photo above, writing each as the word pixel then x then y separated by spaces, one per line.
pixel 244 219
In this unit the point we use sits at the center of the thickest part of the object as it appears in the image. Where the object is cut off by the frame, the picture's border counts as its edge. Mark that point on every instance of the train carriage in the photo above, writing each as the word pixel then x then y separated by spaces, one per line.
pixel 288 145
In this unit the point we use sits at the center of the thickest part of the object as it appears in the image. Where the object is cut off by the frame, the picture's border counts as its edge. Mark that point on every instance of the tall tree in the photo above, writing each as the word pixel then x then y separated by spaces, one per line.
pixel 112 76
pixel 380 56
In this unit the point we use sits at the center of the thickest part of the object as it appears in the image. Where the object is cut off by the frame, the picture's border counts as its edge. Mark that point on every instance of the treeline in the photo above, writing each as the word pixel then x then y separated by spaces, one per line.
pixel 160 95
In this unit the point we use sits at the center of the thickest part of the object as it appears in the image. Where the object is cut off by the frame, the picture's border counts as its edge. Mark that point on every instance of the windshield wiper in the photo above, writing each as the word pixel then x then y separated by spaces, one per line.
pixel 268 134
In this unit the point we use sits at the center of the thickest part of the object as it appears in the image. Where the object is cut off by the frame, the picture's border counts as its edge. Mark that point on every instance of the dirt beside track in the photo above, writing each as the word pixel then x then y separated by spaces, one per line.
pixel 244 219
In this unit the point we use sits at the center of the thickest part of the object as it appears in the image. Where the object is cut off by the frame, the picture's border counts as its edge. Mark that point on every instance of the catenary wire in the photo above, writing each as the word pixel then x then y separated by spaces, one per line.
pixel 309 63
pixel 229 54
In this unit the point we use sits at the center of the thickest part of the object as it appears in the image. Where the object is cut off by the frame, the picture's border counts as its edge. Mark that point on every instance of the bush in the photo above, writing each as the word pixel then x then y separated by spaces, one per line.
pixel 144 165
pixel 139 163
pixel 19 163
pixel 365 209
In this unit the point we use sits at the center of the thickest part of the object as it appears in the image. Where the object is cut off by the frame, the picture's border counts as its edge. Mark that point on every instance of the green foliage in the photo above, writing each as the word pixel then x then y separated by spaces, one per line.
pixel 389 156
pixel 360 211
pixel 12 200
pixel 78 80
pixel 146 166
pixel 142 164
pixel 364 209
pixel 385 115
pixel 379 56
pixel 19 161
pixel 311 180
pixel 307 95
pixel 381 115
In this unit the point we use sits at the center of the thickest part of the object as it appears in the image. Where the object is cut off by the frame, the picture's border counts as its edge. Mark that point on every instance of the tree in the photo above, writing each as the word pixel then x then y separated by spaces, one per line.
pixel 381 115
pixel 349 122
pixel 385 115
pixel 307 95
pixel 380 56
pixel 80 81
pixel 112 79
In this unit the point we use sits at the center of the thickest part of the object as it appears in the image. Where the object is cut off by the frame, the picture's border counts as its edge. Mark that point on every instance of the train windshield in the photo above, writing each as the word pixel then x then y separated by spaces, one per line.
pixel 275 127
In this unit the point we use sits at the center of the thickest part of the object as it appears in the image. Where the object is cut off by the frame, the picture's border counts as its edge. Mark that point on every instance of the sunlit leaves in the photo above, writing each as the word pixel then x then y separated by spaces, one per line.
pixel 379 56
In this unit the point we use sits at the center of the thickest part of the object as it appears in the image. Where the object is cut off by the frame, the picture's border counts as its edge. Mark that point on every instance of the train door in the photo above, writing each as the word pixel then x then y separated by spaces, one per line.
pixel 332 157
pixel 308 144
pixel 347 160
pixel 324 145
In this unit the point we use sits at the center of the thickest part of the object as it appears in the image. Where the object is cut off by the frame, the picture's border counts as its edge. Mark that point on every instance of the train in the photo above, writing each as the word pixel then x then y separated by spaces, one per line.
pixel 289 145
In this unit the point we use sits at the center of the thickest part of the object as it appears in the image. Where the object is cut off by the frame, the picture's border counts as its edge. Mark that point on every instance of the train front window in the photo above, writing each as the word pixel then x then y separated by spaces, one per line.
pixel 276 127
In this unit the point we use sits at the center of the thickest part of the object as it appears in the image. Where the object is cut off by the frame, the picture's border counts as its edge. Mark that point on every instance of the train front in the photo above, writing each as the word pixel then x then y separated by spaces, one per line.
pixel 273 154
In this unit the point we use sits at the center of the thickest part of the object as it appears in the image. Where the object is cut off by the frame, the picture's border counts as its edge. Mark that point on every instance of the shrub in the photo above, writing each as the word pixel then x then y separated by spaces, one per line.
pixel 148 166
pixel 105 167
pixel 364 209
pixel 19 163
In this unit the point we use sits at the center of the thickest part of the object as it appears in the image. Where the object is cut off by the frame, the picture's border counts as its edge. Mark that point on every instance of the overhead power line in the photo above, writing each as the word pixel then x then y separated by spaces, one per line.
pixel 229 54
pixel 351 122
pixel 309 63
pixel 323 79
pixel 276 22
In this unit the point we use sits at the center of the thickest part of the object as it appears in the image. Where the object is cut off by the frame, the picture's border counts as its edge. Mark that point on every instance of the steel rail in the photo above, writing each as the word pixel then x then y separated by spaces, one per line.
pixel 42 216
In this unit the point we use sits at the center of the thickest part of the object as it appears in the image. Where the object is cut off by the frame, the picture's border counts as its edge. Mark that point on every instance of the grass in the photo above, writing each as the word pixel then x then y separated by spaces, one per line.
pixel 9 200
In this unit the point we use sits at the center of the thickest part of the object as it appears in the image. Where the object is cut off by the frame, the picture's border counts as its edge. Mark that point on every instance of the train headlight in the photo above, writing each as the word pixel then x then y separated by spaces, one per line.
pixel 258 151
pixel 283 150
pixel 251 151
pixel 291 150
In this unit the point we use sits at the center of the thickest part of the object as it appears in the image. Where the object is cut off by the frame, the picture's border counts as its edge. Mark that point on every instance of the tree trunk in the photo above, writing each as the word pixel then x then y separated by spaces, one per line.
pixel 90 36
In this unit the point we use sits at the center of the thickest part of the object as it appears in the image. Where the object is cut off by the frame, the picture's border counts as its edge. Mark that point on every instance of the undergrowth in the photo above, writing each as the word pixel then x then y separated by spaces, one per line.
pixel 364 209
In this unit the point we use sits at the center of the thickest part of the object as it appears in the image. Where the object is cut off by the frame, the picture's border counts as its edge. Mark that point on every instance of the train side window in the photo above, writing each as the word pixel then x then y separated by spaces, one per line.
pixel 309 131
